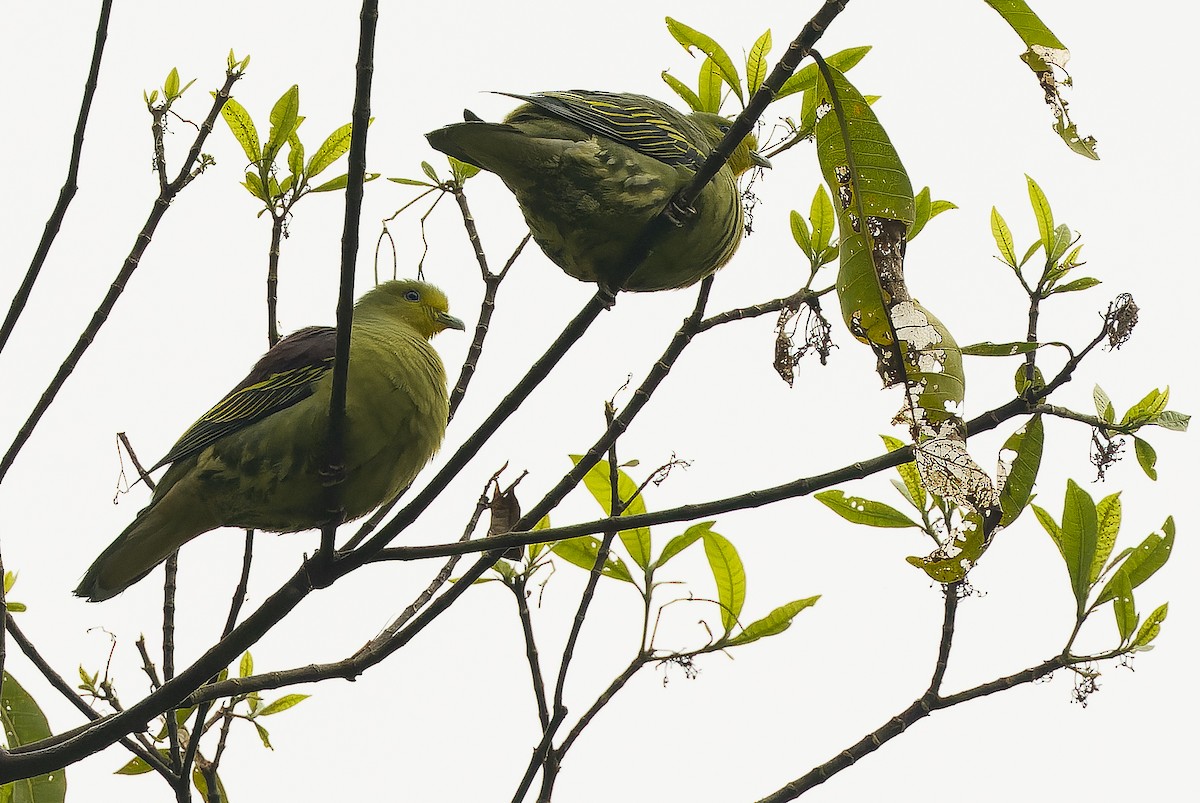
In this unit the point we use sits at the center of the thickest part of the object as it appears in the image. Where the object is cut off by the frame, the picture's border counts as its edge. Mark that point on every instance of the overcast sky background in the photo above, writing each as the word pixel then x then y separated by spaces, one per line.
pixel 451 716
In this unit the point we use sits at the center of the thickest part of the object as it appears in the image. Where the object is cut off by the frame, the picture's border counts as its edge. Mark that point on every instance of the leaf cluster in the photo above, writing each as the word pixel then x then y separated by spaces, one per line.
pixel 280 194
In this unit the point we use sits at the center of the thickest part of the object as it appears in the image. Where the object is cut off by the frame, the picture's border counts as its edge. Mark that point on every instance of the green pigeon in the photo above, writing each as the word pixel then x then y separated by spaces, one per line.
pixel 591 169
pixel 255 460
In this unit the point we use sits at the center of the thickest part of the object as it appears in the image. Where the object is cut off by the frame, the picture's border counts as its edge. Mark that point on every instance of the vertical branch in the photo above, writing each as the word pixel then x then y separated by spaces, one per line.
pixel 360 120
pixel 171 572
pixel 69 188
pixel 277 220
pixel 531 653
pixel 949 615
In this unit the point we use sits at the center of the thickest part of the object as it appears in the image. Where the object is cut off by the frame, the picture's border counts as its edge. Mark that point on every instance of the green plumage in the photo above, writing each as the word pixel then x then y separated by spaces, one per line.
pixel 591 169
pixel 254 460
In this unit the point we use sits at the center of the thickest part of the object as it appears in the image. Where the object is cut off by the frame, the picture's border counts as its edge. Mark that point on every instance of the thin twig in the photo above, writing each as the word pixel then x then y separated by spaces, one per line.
pixel 531 652
pixel 277 221
pixel 767 307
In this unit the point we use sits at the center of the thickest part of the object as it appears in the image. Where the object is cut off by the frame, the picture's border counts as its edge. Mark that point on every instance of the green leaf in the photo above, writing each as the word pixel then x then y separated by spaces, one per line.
pixel 1051 527
pixel 1148 408
pixel 1079 536
pixel 823 219
pixel 923 207
pixel 1144 561
pixel 263 735
pixel 863 511
pixel 805 78
pixel 690 37
pixel 462 171
pixel 340 182
pixel 756 61
pixel 254 186
pixel 202 786
pixel 239 122
pixel 941 206
pixel 684 91
pixel 636 541
pixel 1062 241
pixel 183 714
pixel 1150 627
pixel 989 349
pixel 1108 524
pixel 295 154
pixel 246 665
pixel 533 550
pixel 1033 249
pixel 1146 457
pixel 729 575
pixel 412 182
pixel 285 119
pixel 1123 608
pixel 582 552
pixel 15 607
pixel 915 491
pixel 1075 286
pixel 682 541
pixel 330 151
pixel 282 704
pixel 967 548
pixel 926 210
pixel 135 766
pixel 709 87
pixel 24 723
pixel 1104 405
pixel 171 85
pixel 1172 420
pixel 1082 145
pixel 1043 215
pixel 1022 383
pixel 800 234
pixel 10 580
pixel 1017 488
pixel 773 623
pixel 1025 23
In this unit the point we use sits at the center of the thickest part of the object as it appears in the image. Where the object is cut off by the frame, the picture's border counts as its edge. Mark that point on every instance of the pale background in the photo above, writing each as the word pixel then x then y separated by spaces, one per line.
pixel 451 717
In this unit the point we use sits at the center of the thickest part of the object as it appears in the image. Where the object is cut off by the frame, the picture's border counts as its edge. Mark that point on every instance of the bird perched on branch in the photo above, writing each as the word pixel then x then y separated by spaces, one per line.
pixel 591 169
pixel 256 459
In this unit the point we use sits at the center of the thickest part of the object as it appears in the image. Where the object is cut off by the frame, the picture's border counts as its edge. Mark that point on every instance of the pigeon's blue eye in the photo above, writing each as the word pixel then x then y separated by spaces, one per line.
pixel 412 295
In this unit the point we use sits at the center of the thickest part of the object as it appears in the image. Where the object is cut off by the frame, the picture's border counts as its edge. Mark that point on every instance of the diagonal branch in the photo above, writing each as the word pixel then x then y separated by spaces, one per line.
pixel 69 188
pixel 159 209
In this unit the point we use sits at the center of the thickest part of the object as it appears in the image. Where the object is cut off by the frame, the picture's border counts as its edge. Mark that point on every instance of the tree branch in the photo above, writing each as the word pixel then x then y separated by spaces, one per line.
pixel 356 173
pixel 69 188
pixel 158 210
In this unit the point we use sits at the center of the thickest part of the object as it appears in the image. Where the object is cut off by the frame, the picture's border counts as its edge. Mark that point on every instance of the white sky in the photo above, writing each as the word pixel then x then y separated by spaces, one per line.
pixel 451 717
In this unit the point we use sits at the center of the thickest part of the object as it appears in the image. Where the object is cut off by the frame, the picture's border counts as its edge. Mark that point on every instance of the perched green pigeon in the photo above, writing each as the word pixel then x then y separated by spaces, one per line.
pixel 591 169
pixel 255 459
